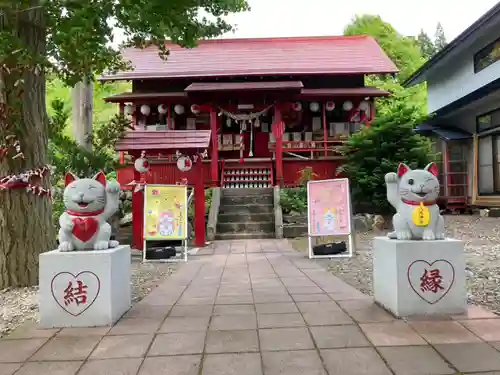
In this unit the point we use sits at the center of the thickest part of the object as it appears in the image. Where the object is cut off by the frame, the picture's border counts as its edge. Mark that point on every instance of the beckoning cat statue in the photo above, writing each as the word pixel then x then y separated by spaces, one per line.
pixel 89 203
pixel 413 193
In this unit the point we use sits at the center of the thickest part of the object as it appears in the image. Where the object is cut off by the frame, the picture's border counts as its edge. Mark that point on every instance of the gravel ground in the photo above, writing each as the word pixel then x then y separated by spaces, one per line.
pixel 20 305
pixel 482 238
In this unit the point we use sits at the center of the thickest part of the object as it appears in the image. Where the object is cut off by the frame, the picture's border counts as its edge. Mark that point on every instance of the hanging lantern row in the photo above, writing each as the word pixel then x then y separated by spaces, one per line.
pixel 330 106
pixel 162 109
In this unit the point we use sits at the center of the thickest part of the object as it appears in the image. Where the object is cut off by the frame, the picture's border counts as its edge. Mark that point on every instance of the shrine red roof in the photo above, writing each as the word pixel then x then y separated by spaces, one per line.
pixel 238 86
pixel 260 57
pixel 138 140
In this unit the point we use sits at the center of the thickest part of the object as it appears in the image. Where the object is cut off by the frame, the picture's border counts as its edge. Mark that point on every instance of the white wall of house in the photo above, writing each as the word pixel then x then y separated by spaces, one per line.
pixel 455 78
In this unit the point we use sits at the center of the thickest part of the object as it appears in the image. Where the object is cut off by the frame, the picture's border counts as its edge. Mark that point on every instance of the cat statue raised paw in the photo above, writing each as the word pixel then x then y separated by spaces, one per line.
pixel 414 193
pixel 89 203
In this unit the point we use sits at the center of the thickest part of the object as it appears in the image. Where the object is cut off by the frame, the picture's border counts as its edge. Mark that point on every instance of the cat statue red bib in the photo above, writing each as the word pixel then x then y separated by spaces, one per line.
pixel 89 203
pixel 414 193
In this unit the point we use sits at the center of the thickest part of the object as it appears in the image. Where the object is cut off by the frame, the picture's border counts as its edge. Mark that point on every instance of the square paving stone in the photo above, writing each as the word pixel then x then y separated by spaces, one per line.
pixel 52 368
pixel 304 290
pixel 317 306
pixel 140 311
pixel 302 362
pixel 391 334
pixel 415 360
pixel 122 346
pixel 326 318
pixel 182 311
pixel 233 322
pixel 285 339
pixel 327 337
pixel 476 312
pixel 184 301
pixel 122 366
pixel 487 329
pixel 91 331
pixel 276 308
pixel 67 348
pixel 234 300
pixel 9 368
pixel 471 357
pixel 365 311
pixel 319 297
pixel 280 320
pixel 232 341
pixel 496 345
pixel 232 364
pixel 178 365
pixel 234 310
pixel 271 298
pixel 19 350
pixel 178 343
pixel 135 327
pixel 187 324
pixel 354 361
pixel 31 331
pixel 447 332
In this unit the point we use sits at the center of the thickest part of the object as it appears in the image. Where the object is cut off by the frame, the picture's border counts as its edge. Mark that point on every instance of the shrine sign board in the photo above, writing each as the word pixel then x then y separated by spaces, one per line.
pixel 166 215
pixel 329 213
pixel 84 288
pixel 419 278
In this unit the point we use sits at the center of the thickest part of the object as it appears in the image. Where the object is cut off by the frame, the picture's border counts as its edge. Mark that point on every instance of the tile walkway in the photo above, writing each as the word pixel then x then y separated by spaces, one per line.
pixel 258 308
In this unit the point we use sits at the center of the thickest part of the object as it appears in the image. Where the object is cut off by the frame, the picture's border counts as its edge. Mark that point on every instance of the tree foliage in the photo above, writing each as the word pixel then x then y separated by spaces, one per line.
pixel 71 39
pixel 427 47
pixel 439 38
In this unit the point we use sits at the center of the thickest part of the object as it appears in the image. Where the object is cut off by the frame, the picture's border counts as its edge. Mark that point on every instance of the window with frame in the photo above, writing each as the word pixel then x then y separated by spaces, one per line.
pixel 489 165
pixel 487 56
pixel 488 121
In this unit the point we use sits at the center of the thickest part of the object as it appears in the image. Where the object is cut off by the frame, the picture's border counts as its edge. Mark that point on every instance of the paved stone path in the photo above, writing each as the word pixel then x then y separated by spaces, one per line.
pixel 258 308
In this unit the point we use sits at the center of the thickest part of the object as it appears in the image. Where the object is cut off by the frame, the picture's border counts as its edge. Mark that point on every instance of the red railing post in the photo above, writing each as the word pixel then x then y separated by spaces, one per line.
pixel 214 162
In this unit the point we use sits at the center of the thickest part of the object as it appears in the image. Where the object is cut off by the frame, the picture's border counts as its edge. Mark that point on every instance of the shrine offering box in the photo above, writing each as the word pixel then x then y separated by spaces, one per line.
pixel 84 288
pixel 419 277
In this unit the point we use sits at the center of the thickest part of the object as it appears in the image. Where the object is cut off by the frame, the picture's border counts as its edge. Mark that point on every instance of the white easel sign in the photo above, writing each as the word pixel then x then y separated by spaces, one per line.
pixel 329 214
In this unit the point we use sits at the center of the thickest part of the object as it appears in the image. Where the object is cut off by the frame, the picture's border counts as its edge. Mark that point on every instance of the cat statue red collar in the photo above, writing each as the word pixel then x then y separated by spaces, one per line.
pixel 413 193
pixel 89 203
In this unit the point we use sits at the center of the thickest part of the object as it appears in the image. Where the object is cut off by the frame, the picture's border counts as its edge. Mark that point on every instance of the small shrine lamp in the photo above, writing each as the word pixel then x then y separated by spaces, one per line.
pixel 297 106
pixel 195 109
pixel 314 106
pixel 162 109
pixel 145 109
pixel 128 110
pixel 347 106
pixel 330 106
pixel 179 109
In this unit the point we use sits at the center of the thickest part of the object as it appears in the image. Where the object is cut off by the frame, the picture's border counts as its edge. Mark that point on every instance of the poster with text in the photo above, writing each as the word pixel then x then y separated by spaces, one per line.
pixel 329 207
pixel 165 212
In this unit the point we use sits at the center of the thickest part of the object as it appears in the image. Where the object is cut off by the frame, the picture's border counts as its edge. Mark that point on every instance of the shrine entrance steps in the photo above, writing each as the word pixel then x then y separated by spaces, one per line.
pixel 246 214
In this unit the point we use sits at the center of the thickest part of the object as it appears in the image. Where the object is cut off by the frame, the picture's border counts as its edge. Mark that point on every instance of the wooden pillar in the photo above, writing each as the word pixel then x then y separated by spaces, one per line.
pixel 325 132
pixel 372 111
pixel 214 162
pixel 199 206
pixel 121 109
pixel 278 129
pixel 169 117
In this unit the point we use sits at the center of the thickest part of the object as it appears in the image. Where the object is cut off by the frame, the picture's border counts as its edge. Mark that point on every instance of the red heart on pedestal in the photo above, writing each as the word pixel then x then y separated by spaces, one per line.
pixel 85 228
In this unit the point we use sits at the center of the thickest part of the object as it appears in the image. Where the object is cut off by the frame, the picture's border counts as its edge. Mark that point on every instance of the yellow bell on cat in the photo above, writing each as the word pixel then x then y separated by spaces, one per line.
pixel 421 215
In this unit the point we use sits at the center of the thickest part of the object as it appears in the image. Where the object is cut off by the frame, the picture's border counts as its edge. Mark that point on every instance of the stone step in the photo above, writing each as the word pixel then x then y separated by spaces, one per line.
pixel 263 226
pixel 250 199
pixel 227 192
pixel 243 209
pixel 246 217
pixel 244 236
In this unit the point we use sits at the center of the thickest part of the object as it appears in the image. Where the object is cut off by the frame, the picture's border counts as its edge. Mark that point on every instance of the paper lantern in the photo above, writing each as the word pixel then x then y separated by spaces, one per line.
pixel 297 106
pixel 162 108
pixel 184 164
pixel 129 110
pixel 145 110
pixel 179 109
pixel 364 106
pixel 347 106
pixel 141 165
pixel 330 106
pixel 314 106
pixel 195 108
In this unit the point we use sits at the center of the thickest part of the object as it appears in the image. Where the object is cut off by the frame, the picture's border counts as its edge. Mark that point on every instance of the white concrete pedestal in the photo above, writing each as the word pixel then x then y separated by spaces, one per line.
pixel 84 288
pixel 419 277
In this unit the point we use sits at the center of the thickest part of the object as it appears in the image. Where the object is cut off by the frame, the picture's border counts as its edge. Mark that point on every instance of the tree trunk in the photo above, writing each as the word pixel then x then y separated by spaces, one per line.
pixel 26 227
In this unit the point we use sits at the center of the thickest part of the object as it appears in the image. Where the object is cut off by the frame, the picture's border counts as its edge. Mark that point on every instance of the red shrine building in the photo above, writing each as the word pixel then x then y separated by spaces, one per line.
pixel 250 113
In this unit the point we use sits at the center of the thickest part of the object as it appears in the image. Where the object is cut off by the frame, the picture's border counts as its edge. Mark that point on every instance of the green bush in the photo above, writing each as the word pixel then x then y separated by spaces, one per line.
pixel 294 200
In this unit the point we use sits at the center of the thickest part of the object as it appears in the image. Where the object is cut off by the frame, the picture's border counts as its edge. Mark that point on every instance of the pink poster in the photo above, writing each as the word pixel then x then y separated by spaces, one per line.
pixel 329 209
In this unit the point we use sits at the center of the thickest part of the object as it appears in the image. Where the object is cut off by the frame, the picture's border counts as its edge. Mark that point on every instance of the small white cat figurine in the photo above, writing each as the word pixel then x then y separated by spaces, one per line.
pixel 413 193
pixel 89 203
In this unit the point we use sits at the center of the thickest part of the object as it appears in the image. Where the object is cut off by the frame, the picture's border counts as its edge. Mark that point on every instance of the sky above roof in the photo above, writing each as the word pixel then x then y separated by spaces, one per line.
pixel 281 18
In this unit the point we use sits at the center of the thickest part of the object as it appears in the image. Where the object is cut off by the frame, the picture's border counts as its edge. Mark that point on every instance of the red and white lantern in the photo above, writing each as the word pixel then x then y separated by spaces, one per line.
pixel 141 165
pixel 179 109
pixel 145 110
pixel 364 106
pixel 347 106
pixel 195 108
pixel 297 106
pixel 314 106
pixel 184 163
pixel 330 106
pixel 129 110
pixel 162 109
